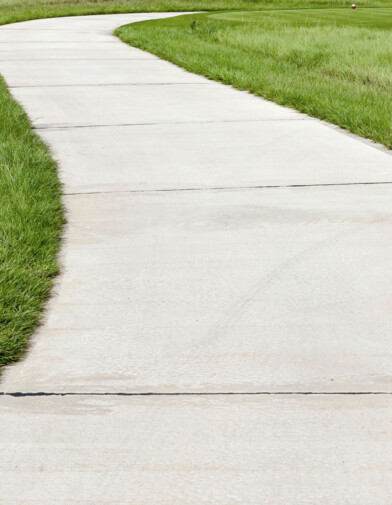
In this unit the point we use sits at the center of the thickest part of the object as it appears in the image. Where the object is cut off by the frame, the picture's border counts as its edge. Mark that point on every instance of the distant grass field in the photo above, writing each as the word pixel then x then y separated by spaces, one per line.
pixel 12 11
pixel 334 64
pixel 378 18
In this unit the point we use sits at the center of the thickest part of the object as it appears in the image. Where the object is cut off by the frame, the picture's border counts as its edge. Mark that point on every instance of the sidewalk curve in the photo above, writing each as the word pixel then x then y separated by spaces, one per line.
pixel 221 330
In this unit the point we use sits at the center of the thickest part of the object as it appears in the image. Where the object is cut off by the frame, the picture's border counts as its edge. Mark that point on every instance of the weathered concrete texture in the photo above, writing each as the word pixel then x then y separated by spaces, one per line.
pixel 153 103
pixel 25 36
pixel 171 286
pixel 221 291
pixel 196 450
pixel 99 72
pixel 91 25
pixel 90 51
pixel 212 155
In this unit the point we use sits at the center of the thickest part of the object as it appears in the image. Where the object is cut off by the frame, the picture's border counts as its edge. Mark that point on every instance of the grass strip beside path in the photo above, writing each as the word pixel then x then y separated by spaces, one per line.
pixel 31 220
pixel 334 64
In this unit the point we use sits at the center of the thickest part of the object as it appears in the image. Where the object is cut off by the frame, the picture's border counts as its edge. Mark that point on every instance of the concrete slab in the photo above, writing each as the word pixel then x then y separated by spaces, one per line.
pixel 192 450
pixel 95 72
pixel 179 156
pixel 206 291
pixel 47 36
pixel 89 24
pixel 93 51
pixel 114 105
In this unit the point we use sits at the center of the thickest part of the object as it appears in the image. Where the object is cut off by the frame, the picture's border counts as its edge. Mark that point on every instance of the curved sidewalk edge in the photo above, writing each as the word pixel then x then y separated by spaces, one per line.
pixel 230 256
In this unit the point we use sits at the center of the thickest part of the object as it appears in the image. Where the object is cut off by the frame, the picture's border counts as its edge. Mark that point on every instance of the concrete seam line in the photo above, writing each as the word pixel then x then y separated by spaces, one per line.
pixel 228 188
pixel 71 126
pixel 19 394
pixel 110 84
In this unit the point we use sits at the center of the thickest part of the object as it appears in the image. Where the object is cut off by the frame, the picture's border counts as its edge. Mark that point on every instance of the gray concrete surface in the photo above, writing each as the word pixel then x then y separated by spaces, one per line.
pixel 168 156
pixel 65 51
pixel 197 450
pixel 186 275
pixel 81 106
pixel 220 291
pixel 95 72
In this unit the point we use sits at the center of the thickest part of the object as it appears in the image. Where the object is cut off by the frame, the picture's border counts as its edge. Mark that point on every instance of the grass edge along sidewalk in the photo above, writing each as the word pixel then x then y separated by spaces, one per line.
pixel 318 62
pixel 31 223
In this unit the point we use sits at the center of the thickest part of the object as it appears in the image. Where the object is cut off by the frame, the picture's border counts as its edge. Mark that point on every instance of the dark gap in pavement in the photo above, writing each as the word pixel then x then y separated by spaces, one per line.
pixel 112 84
pixel 222 188
pixel 78 59
pixel 19 394
pixel 67 127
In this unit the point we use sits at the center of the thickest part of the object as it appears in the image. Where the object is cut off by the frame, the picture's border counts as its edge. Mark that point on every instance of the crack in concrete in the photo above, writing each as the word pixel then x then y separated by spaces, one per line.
pixel 20 394
pixel 228 188
pixel 68 127
pixel 59 41
pixel 76 59
pixel 111 84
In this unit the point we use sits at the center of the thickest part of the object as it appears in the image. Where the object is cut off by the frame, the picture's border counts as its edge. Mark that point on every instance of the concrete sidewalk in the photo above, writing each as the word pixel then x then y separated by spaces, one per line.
pixel 228 255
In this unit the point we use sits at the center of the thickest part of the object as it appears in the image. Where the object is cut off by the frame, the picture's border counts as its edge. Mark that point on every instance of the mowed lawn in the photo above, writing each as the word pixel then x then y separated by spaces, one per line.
pixel 333 63
pixel 12 11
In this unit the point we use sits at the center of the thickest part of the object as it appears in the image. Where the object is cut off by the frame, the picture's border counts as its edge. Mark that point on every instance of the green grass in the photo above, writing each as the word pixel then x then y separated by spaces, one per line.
pixel 334 64
pixel 31 219
pixel 378 18
pixel 20 10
